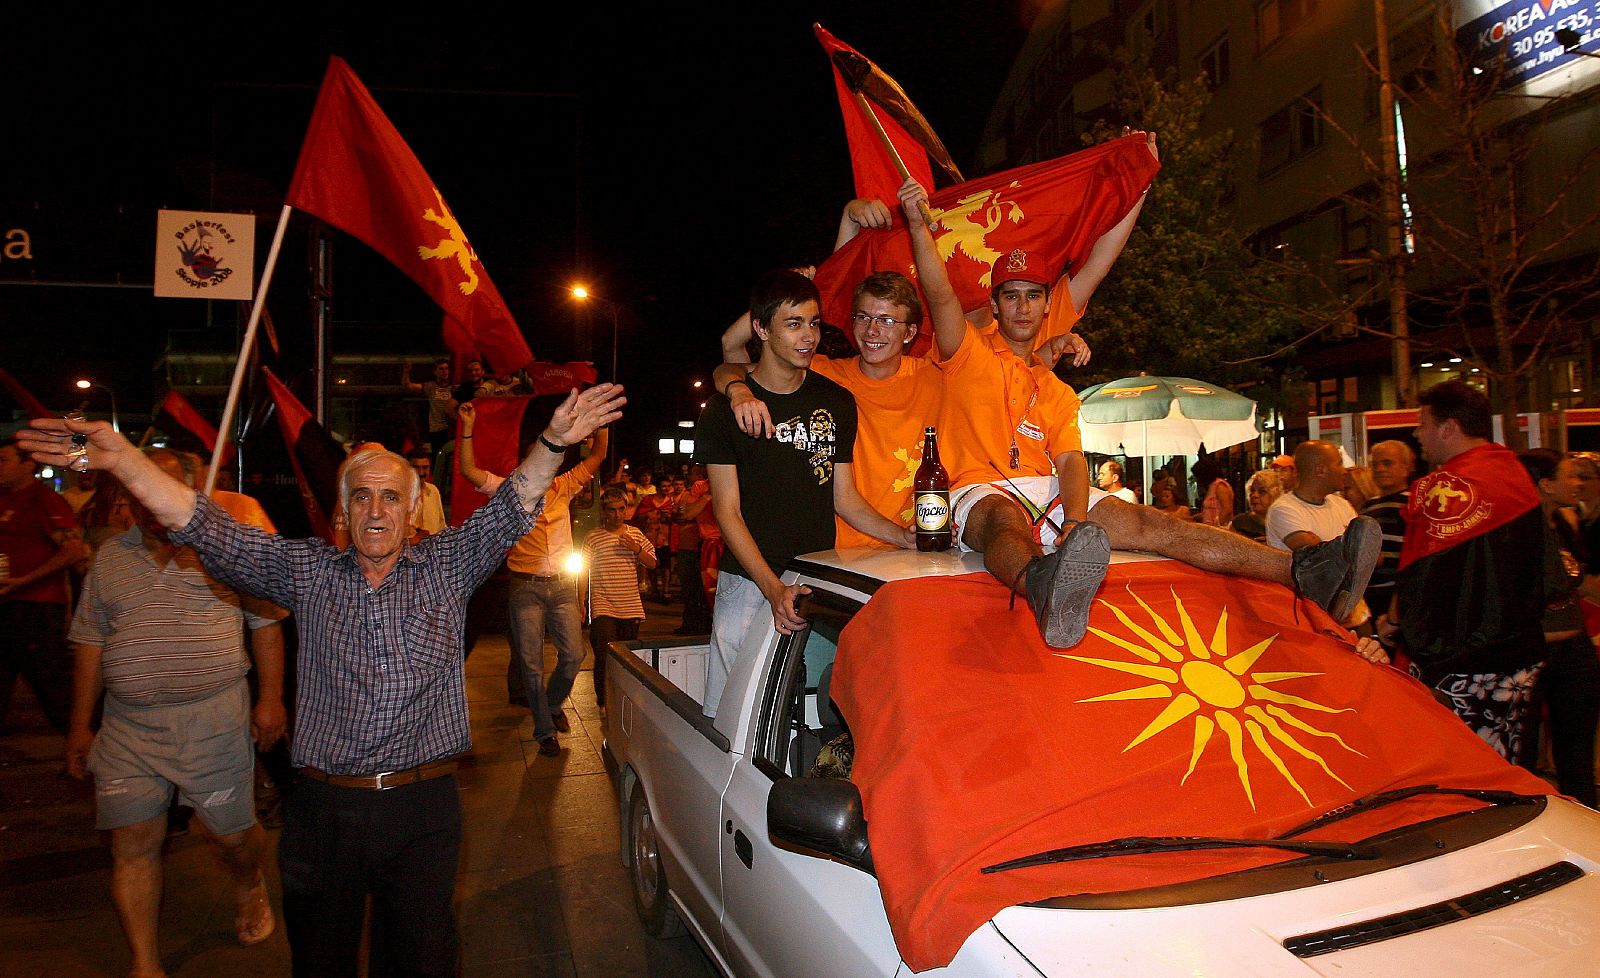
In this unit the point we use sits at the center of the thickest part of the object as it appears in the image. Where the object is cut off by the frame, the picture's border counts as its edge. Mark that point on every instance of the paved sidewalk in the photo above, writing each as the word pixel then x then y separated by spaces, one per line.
pixel 541 890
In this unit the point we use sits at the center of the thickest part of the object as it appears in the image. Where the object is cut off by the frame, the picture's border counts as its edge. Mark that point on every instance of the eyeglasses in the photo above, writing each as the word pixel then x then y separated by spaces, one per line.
pixel 862 319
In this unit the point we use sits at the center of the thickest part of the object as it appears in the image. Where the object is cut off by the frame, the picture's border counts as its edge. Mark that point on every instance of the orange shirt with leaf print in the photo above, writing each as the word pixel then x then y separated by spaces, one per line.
pixel 992 397
pixel 890 417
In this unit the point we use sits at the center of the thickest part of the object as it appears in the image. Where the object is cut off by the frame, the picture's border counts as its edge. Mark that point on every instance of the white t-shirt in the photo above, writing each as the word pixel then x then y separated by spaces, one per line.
pixel 1125 494
pixel 1289 514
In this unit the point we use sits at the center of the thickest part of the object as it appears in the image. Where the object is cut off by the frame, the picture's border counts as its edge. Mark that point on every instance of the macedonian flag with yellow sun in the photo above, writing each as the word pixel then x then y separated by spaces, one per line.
pixel 1197 705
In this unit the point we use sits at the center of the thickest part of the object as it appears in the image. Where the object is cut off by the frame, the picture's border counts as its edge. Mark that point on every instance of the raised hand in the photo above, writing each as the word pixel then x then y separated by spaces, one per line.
pixel 581 415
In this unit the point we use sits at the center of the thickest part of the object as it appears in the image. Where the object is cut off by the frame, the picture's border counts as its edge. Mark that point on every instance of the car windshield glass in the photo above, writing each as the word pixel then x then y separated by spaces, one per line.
pixel 1177 843
pixel 1382 798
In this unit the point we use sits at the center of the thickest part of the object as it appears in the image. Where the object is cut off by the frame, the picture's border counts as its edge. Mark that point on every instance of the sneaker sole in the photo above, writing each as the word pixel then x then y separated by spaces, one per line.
pixel 1085 555
pixel 1366 546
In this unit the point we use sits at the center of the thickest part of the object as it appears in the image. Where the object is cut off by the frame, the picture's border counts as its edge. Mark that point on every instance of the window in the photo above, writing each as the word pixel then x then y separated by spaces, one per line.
pixel 1291 132
pixel 1146 27
pixel 1279 18
pixel 795 721
pixel 1214 66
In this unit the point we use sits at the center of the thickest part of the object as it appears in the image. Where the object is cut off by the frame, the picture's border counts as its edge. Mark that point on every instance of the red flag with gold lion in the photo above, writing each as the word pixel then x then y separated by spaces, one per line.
pixel 1054 211
pixel 356 173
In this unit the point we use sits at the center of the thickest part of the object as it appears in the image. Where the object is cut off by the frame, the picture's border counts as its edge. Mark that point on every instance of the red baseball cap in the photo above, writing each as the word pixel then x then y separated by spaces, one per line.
pixel 1018 267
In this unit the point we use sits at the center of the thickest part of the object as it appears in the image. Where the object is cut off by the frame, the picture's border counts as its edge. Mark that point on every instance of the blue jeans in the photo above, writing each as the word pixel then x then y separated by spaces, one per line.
pixel 534 604
pixel 741 618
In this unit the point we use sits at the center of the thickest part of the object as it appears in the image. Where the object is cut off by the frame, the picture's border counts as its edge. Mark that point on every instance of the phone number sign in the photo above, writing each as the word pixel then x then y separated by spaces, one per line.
pixel 1524 34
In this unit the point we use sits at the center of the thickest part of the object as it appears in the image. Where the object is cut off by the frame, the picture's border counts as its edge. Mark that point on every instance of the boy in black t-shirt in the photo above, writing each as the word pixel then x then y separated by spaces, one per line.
pixel 775 498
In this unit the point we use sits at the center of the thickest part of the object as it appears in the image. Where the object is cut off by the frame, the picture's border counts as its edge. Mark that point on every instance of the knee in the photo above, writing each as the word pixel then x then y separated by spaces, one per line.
pixel 1127 525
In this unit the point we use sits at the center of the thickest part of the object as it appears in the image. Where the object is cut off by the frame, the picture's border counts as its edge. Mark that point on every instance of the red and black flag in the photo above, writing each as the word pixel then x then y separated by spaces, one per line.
pixel 919 148
pixel 1474 531
pixel 356 173
pixel 21 398
pixel 178 417
pixel 316 457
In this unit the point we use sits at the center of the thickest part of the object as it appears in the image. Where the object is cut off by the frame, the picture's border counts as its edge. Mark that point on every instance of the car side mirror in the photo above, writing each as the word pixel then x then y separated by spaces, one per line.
pixel 820 815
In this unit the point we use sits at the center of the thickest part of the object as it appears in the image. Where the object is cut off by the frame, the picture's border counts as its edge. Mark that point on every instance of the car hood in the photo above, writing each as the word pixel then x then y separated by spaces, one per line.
pixel 1537 914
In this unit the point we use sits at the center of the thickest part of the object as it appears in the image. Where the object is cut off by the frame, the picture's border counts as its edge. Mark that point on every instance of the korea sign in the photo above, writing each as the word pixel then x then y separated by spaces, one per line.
pixel 202 255
pixel 1523 33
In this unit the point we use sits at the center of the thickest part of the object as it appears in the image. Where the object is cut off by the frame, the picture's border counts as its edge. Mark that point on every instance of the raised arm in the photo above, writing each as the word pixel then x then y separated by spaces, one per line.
pixel 579 416
pixel 749 411
pixel 861 213
pixel 466 457
pixel 1103 254
pixel 949 320
pixel 85 445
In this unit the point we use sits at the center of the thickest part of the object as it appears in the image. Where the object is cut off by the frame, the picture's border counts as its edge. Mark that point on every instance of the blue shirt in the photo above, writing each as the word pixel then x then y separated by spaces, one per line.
pixel 380 670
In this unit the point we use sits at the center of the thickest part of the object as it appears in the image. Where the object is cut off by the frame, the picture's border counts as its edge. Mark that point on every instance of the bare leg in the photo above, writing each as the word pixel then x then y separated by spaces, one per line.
pixel 1211 548
pixel 241 853
pixel 136 890
pixel 998 528
pixel 1059 587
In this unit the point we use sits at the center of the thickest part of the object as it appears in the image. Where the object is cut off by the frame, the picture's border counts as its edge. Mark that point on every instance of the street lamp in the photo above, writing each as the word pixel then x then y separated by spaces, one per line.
pixel 582 294
pixel 86 384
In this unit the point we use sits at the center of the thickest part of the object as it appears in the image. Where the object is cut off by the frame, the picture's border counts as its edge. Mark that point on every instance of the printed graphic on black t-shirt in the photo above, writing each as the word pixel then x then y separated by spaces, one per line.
pixel 786 481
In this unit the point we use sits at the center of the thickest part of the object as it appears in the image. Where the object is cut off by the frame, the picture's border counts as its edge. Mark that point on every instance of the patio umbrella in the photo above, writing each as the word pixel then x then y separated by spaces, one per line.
pixel 1163 416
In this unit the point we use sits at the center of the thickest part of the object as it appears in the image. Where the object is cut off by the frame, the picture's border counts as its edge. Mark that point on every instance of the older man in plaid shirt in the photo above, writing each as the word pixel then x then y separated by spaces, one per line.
pixel 381 708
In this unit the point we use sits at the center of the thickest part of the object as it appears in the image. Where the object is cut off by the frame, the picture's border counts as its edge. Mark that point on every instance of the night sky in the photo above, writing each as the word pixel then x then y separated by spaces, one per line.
pixel 701 149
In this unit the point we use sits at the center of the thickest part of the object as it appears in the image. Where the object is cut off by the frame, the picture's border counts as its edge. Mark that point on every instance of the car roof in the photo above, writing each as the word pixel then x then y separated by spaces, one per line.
pixel 882 564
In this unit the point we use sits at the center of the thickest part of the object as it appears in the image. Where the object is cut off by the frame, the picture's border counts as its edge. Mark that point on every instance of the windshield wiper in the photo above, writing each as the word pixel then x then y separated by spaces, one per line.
pixel 1382 798
pixel 1136 845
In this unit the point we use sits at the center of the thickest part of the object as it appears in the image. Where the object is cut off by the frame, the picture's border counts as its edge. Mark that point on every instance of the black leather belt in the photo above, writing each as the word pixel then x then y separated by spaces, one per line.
pixel 386 779
pixel 545 578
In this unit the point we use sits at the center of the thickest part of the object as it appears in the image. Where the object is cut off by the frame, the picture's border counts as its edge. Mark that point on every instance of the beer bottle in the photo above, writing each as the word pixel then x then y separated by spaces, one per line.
pixel 931 497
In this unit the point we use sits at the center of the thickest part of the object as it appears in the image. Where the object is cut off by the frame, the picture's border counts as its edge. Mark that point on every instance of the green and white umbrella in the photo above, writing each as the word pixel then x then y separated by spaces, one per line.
pixel 1163 416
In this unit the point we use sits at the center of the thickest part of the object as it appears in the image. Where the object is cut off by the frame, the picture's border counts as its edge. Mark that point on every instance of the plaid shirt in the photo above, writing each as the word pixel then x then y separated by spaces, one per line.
pixel 380 672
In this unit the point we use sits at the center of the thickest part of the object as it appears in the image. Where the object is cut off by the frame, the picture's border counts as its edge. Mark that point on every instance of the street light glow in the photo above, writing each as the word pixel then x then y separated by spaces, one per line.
pixel 580 292
pixel 84 385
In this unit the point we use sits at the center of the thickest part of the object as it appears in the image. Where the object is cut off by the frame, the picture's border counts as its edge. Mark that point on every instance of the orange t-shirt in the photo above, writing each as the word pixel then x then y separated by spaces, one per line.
pixel 992 401
pixel 890 417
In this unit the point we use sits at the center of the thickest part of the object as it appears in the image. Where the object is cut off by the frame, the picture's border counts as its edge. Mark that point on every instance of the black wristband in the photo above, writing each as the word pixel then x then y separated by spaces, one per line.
pixel 728 387
pixel 558 449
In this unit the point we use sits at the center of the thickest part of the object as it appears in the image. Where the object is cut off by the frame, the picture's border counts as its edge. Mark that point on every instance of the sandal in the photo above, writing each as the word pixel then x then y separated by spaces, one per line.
pixel 255 922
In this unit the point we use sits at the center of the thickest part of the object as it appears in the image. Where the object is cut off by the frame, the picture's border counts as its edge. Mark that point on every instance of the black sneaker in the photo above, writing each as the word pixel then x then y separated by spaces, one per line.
pixel 549 747
pixel 1061 585
pixel 1335 574
pixel 559 718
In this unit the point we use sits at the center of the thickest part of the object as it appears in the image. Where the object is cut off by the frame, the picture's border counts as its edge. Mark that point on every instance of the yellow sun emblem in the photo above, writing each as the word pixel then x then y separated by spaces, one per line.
pixel 1219 689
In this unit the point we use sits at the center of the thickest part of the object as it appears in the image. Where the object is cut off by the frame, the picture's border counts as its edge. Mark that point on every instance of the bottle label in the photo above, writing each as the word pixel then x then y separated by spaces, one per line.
pixel 933 511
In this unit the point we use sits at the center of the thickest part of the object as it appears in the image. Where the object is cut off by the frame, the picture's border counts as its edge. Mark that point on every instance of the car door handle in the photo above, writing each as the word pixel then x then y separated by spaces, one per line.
pixel 742 848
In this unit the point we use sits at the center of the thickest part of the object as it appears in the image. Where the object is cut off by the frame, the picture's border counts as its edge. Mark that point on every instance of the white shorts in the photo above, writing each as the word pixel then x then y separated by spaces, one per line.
pixel 1038 495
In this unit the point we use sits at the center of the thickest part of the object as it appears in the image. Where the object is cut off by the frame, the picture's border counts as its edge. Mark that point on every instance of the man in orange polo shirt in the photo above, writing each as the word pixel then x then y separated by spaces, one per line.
pixel 543 596
pixel 1022 483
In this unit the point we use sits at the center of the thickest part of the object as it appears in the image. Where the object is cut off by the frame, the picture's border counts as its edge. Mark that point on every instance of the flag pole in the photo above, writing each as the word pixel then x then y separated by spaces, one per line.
pixel 888 144
pixel 244 350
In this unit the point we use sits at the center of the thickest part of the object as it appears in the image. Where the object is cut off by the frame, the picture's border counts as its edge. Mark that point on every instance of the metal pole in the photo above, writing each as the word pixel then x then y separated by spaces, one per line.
pixel 1393 243
pixel 614 332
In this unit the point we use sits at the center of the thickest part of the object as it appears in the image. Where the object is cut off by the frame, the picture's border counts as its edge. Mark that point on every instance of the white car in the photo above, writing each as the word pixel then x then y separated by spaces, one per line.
pixel 773 873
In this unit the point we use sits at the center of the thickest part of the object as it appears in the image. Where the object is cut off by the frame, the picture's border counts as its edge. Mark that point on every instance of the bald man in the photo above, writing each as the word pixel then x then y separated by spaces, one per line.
pixel 1313 512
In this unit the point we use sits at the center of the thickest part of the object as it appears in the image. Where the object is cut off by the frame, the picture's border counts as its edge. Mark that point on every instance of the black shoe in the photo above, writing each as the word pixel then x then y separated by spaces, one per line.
pixel 549 747
pixel 1335 574
pixel 559 718
pixel 1061 585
